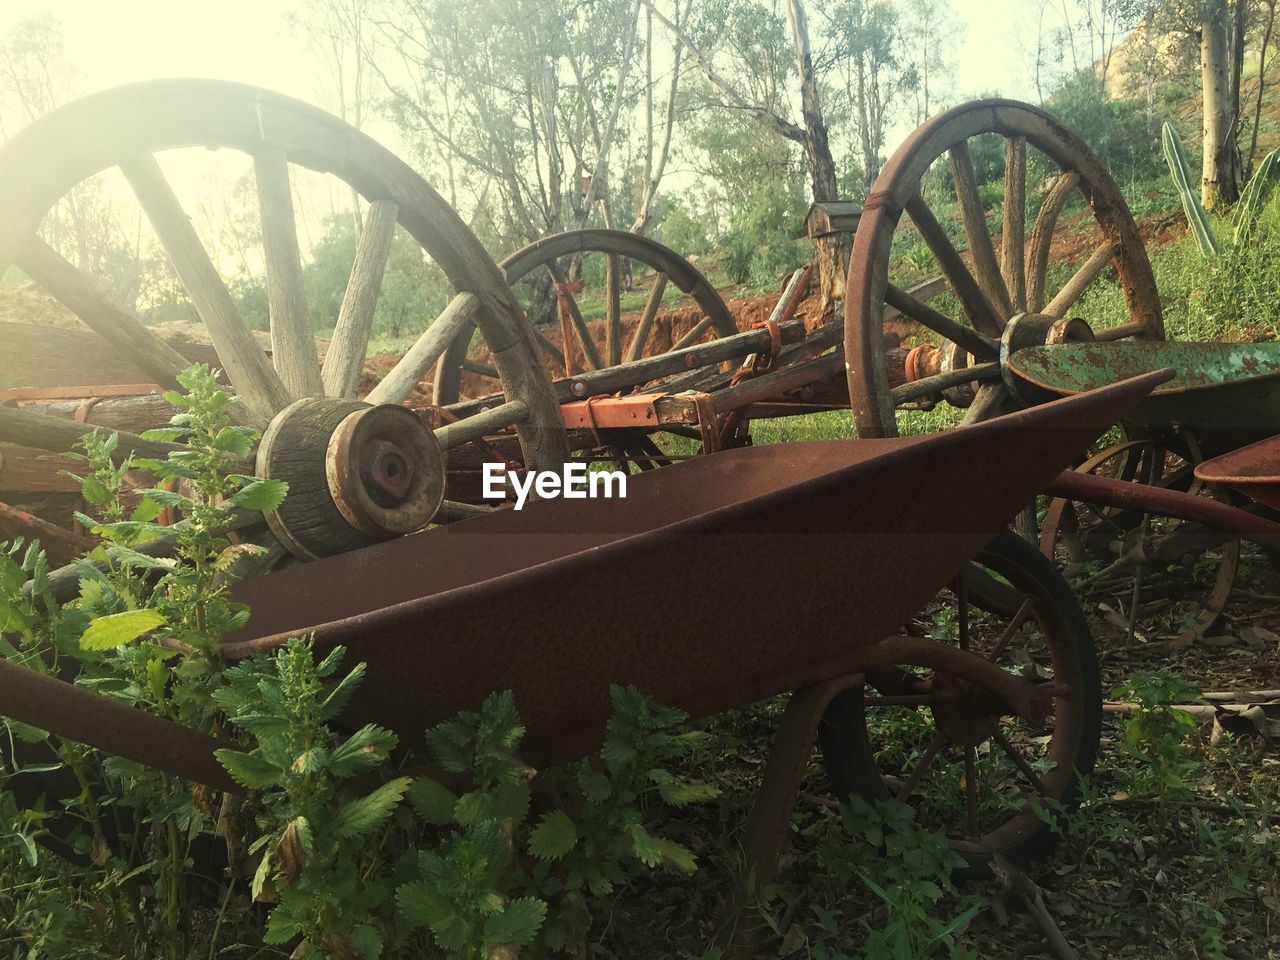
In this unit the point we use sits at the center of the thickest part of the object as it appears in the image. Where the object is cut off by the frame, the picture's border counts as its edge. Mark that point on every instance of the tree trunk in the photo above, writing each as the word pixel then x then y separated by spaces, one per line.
pixel 1220 169
pixel 831 252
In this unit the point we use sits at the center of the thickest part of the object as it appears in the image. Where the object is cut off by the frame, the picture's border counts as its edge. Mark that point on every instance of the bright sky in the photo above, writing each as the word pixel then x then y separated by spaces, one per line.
pixel 118 41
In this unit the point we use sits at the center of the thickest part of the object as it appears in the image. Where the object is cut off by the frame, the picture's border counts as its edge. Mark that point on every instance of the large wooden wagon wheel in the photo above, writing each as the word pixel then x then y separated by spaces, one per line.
pixel 1003 290
pixel 360 469
pixel 987 780
pixel 618 254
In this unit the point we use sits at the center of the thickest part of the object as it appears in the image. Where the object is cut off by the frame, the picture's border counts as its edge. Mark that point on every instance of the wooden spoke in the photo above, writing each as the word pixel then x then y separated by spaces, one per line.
pixel 919 311
pixel 79 294
pixel 426 350
pixel 991 396
pixel 451 511
pixel 696 333
pixel 482 424
pixel 1122 331
pixel 1074 288
pixel 345 358
pixel 579 325
pixel 1013 236
pixel 651 307
pixel 985 267
pixel 970 793
pixel 613 309
pixel 1042 238
pixel 293 346
pixel 978 373
pixel 484 369
pixel 980 310
pixel 58 435
pixel 549 348
pixel 913 781
pixel 252 374
pixel 1019 761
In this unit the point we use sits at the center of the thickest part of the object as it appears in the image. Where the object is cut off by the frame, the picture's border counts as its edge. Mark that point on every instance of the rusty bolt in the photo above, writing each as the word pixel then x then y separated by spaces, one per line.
pixel 390 470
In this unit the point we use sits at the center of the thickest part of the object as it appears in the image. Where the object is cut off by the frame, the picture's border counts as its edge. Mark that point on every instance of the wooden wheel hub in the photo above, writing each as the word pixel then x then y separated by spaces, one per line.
pixel 357 474
pixel 385 471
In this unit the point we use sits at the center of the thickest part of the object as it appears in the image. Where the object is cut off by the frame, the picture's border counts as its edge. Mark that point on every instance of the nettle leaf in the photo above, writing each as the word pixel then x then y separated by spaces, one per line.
pixel 365 748
pixel 676 856
pixel 595 786
pixel 367 940
pixel 553 837
pixel 145 511
pixel 249 769
pixel 260 494
pixel 310 761
pixel 420 905
pixel 165 434
pixel 363 816
pixel 332 704
pixel 643 846
pixel 233 440
pixel 432 801
pixel 167 498
pixel 95 491
pixel 117 629
pixel 518 924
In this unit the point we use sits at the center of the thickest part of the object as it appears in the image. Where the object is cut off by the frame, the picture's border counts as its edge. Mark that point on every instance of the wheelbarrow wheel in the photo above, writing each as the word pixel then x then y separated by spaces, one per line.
pixel 990 782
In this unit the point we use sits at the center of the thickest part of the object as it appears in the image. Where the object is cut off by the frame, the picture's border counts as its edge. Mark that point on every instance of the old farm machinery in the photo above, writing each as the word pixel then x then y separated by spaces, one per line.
pixel 1001 672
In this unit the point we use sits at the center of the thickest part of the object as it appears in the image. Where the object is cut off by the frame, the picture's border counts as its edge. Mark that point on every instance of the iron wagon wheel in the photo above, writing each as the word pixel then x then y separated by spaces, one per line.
pixel 618 254
pixel 1126 552
pixel 985 779
pixel 361 468
pixel 1003 296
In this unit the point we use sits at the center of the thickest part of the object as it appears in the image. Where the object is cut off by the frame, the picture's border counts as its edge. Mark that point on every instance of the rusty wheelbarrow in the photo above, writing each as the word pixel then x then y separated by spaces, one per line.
pixel 715 583
pixel 1142 504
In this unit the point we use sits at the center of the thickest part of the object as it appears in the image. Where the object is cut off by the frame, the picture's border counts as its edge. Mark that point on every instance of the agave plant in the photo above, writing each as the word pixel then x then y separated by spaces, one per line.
pixel 1247 210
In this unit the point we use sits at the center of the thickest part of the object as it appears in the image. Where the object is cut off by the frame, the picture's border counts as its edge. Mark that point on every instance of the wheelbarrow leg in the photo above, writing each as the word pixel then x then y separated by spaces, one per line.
pixel 771 813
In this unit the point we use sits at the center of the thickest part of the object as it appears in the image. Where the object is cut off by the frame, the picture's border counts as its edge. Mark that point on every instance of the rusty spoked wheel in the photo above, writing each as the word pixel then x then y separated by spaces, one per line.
pixel 1005 293
pixel 944 746
pixel 361 468
pixel 1143 561
pixel 618 266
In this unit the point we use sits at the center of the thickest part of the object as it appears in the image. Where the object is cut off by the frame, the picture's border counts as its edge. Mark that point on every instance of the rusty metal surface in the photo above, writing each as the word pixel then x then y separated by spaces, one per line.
pixel 68 710
pixel 1110 492
pixel 543 601
pixel 1231 391
pixel 1253 470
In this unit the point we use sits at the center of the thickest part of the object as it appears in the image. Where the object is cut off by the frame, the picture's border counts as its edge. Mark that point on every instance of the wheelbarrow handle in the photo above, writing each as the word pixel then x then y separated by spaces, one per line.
pixel 1109 492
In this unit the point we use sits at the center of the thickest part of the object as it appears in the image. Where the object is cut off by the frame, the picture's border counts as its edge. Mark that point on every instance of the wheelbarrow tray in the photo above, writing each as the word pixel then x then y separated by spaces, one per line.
pixel 1229 393
pixel 716 582
pixel 1253 470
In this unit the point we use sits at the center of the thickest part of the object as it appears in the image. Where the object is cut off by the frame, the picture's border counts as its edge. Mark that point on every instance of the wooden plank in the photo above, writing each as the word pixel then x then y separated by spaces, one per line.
pixel 257 383
pixel 293 345
pixel 345 358
pixel 79 294
pixel 426 350
pixel 985 268
pixel 59 436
